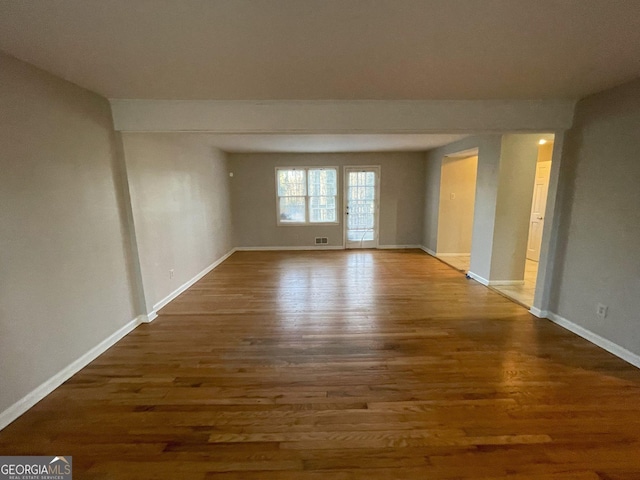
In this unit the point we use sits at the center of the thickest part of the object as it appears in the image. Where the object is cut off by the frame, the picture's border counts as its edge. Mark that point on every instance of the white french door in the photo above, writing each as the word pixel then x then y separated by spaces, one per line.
pixel 361 194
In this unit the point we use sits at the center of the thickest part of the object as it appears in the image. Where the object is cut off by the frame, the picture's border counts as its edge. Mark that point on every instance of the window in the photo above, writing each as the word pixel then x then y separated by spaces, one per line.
pixel 306 195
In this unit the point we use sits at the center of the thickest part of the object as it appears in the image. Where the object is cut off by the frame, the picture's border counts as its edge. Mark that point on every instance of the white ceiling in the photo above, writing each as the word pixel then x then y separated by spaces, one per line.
pixel 329 49
pixel 249 143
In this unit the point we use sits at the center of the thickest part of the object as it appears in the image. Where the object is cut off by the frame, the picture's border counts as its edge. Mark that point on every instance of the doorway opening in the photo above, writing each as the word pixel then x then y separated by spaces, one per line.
pixel 458 176
pixel 524 293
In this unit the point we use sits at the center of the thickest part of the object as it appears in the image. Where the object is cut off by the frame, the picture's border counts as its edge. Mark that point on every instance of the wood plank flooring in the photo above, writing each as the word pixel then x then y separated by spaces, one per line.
pixel 343 365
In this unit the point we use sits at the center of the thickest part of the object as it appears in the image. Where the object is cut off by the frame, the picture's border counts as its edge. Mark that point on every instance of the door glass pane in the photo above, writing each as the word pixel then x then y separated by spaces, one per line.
pixel 361 198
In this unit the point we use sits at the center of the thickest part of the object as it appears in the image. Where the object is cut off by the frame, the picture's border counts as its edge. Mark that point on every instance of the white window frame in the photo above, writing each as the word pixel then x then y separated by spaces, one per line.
pixel 307 197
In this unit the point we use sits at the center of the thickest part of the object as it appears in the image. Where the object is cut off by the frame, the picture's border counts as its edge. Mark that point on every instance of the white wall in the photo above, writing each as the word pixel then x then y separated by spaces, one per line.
pixel 66 285
pixel 518 159
pixel 455 219
pixel 180 198
pixel 598 241
pixel 484 216
pixel 254 202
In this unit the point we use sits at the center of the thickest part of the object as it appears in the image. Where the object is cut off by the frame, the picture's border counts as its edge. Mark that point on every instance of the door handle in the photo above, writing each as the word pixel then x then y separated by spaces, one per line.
pixel 539 218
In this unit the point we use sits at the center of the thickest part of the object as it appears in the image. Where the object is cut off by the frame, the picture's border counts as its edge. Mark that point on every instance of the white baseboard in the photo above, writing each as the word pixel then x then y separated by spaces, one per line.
pixel 453 255
pixel 33 397
pixel 154 313
pixel 538 313
pixel 493 283
pixel 504 283
pixel 478 278
pixel 596 339
pixel 428 250
pixel 273 249
pixel 323 247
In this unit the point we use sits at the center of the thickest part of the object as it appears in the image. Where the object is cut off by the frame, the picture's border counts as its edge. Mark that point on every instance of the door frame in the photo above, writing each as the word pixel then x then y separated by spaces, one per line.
pixel 345 185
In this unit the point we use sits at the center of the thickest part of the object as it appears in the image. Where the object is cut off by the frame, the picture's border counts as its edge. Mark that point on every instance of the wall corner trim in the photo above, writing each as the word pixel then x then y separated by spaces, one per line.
pixel 538 313
pixel 596 339
pixel 154 313
pixel 428 251
pixel 25 403
pixel 478 278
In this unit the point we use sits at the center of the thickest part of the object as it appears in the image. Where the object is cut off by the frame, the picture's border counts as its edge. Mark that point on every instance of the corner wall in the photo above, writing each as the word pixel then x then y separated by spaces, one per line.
pixel 180 198
pixel 598 254
pixel 66 283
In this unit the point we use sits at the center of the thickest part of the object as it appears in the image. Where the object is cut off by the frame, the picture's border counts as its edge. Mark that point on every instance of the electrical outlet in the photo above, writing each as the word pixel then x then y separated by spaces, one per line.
pixel 602 310
pixel 452 196
pixel 171 273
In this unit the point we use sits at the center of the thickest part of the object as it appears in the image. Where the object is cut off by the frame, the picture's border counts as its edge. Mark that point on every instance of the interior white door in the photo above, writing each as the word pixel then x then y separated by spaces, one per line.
pixel 362 187
pixel 538 205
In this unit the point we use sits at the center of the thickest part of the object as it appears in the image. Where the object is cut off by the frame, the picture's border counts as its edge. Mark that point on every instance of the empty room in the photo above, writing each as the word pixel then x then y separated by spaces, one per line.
pixel 320 239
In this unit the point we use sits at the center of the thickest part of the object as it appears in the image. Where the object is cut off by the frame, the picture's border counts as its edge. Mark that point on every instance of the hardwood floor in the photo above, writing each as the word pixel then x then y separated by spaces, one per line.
pixel 523 294
pixel 343 365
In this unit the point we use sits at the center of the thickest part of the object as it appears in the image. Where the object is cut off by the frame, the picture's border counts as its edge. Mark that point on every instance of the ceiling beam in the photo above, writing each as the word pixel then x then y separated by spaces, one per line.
pixel 342 117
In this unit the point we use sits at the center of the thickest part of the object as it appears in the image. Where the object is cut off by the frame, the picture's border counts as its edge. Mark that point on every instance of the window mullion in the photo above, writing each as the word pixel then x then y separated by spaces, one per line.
pixel 318 203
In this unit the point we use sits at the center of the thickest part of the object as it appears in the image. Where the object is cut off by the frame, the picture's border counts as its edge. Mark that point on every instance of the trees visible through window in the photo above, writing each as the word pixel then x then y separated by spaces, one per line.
pixel 306 195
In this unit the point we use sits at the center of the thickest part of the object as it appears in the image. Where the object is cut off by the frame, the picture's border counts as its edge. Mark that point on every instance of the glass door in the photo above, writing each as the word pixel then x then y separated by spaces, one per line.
pixel 362 186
